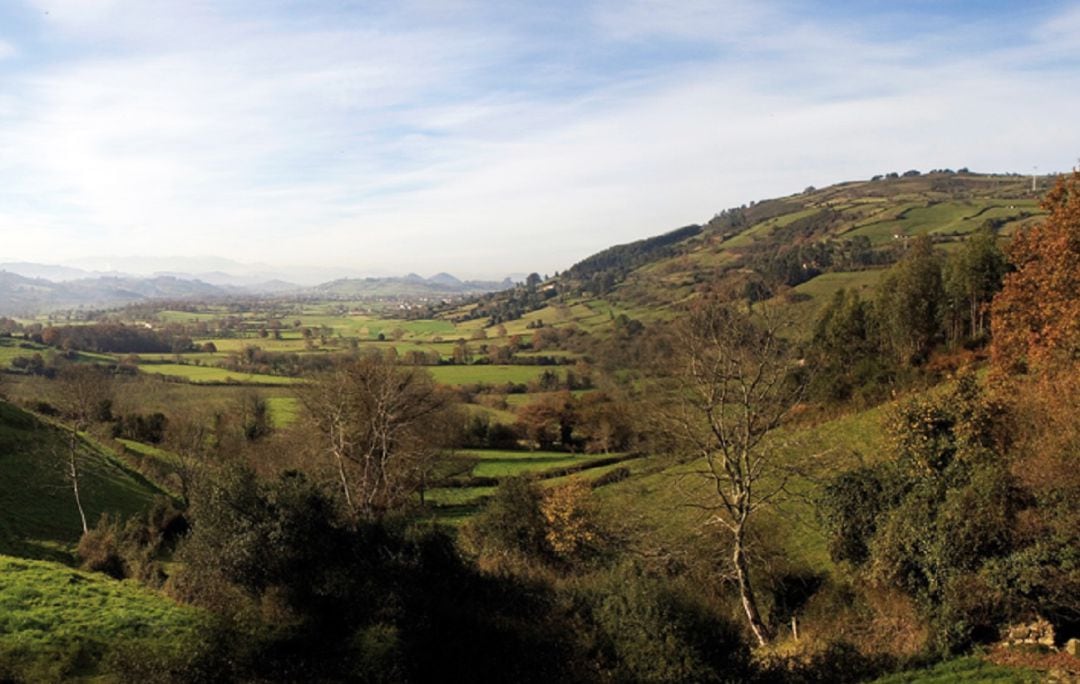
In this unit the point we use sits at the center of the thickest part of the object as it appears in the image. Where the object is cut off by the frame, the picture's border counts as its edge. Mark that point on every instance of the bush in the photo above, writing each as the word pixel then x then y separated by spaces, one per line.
pixel 645 628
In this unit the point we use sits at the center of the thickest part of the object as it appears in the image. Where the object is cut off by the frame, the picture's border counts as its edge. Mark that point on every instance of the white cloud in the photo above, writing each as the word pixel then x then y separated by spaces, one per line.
pixel 400 145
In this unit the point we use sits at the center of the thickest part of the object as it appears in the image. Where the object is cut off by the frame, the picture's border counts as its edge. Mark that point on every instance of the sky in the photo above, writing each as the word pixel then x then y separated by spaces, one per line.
pixel 498 137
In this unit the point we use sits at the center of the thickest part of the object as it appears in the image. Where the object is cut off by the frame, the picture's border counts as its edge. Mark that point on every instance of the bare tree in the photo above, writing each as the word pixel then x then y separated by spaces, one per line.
pixel 736 386
pixel 381 425
pixel 83 394
pixel 190 437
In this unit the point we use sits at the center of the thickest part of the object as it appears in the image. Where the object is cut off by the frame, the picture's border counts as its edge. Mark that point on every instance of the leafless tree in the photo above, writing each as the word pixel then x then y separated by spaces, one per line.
pixel 83 393
pixel 737 382
pixel 381 426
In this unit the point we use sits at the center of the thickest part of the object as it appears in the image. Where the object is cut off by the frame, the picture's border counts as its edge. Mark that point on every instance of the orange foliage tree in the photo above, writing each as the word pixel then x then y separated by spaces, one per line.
pixel 1036 316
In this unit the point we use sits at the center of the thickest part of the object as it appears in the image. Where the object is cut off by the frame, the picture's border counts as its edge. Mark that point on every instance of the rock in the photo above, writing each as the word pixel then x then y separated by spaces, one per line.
pixel 1072 647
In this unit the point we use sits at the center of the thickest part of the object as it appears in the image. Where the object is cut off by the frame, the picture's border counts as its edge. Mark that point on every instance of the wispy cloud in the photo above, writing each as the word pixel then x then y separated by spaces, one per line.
pixel 437 136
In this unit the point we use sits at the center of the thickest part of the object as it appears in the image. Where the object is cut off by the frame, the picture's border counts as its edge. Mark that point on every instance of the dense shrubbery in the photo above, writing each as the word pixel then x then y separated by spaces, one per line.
pixel 945 522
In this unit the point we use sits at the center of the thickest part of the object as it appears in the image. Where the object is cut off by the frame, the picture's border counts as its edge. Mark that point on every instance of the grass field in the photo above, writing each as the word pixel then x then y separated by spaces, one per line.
pixel 492 375
pixel 493 463
pixel 944 217
pixel 211 374
pixel 459 503
pixel 11 348
pixel 57 623
pixel 662 499
pixel 283 410
pixel 969 669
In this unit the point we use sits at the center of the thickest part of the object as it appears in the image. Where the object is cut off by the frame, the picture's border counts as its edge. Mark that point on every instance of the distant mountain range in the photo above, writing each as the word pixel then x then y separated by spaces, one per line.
pixel 30 288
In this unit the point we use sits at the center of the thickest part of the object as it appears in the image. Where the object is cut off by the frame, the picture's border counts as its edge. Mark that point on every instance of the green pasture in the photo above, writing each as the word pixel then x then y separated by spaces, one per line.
pixel 664 497
pixel 283 410
pixel 495 463
pixel 489 374
pixel 11 348
pixel 495 415
pixel 238 344
pixel 516 400
pixel 212 374
pixel 57 623
pixel 209 314
pixel 944 218
pixel 820 289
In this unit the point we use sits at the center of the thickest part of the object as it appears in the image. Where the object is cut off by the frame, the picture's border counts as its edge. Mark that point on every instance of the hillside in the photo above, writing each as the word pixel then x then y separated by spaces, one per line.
pixel 38 518
pixel 797 249
pixel 57 623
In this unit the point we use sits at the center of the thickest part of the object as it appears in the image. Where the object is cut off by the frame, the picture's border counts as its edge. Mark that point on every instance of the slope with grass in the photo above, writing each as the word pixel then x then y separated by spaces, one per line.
pixel 38 517
pixel 884 213
pixel 57 623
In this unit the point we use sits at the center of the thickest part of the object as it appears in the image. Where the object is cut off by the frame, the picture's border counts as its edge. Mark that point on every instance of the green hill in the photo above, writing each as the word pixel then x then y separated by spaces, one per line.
pixel 57 623
pixel 38 517
pixel 796 250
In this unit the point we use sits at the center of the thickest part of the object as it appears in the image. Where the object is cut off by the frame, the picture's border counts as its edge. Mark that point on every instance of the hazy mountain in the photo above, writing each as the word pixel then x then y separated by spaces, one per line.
pixel 445 279
pixel 411 285
pixel 25 294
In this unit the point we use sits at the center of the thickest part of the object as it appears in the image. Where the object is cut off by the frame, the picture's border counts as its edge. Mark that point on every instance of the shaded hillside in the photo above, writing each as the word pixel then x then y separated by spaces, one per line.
pixel 38 517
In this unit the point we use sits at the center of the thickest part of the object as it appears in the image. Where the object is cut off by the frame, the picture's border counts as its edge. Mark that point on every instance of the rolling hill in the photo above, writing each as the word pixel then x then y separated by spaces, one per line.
pixel 798 249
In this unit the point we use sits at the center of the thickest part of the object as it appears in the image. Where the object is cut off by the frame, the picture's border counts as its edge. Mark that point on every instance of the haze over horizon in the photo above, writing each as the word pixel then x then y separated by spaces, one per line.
pixel 487 139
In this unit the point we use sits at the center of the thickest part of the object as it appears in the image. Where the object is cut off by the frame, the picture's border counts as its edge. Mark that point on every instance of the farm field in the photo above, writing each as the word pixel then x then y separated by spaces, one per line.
pixel 213 374
pixel 455 504
pixel 493 463
pixel 492 375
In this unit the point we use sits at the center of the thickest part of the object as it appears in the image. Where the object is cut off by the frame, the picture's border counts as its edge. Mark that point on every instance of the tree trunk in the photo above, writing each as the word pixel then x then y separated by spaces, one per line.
pixel 746 593
pixel 73 473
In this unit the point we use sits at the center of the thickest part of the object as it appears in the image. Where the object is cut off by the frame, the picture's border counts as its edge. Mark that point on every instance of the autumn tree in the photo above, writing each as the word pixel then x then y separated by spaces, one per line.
pixel 1036 316
pixel 738 384
pixel 548 421
pixel 381 426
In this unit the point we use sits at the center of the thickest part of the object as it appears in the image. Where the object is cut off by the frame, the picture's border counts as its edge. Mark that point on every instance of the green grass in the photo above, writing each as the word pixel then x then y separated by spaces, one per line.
pixel 458 496
pixel 283 410
pixel 236 344
pixel 969 669
pixel 58 623
pixel 660 497
pixel 211 374
pixel 10 348
pixel 821 289
pixel 493 375
pixel 38 517
pixel 454 505
pixel 944 217
pixel 494 463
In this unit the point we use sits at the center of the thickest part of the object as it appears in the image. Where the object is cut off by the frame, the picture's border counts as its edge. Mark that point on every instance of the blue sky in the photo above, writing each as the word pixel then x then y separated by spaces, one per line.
pixel 485 138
